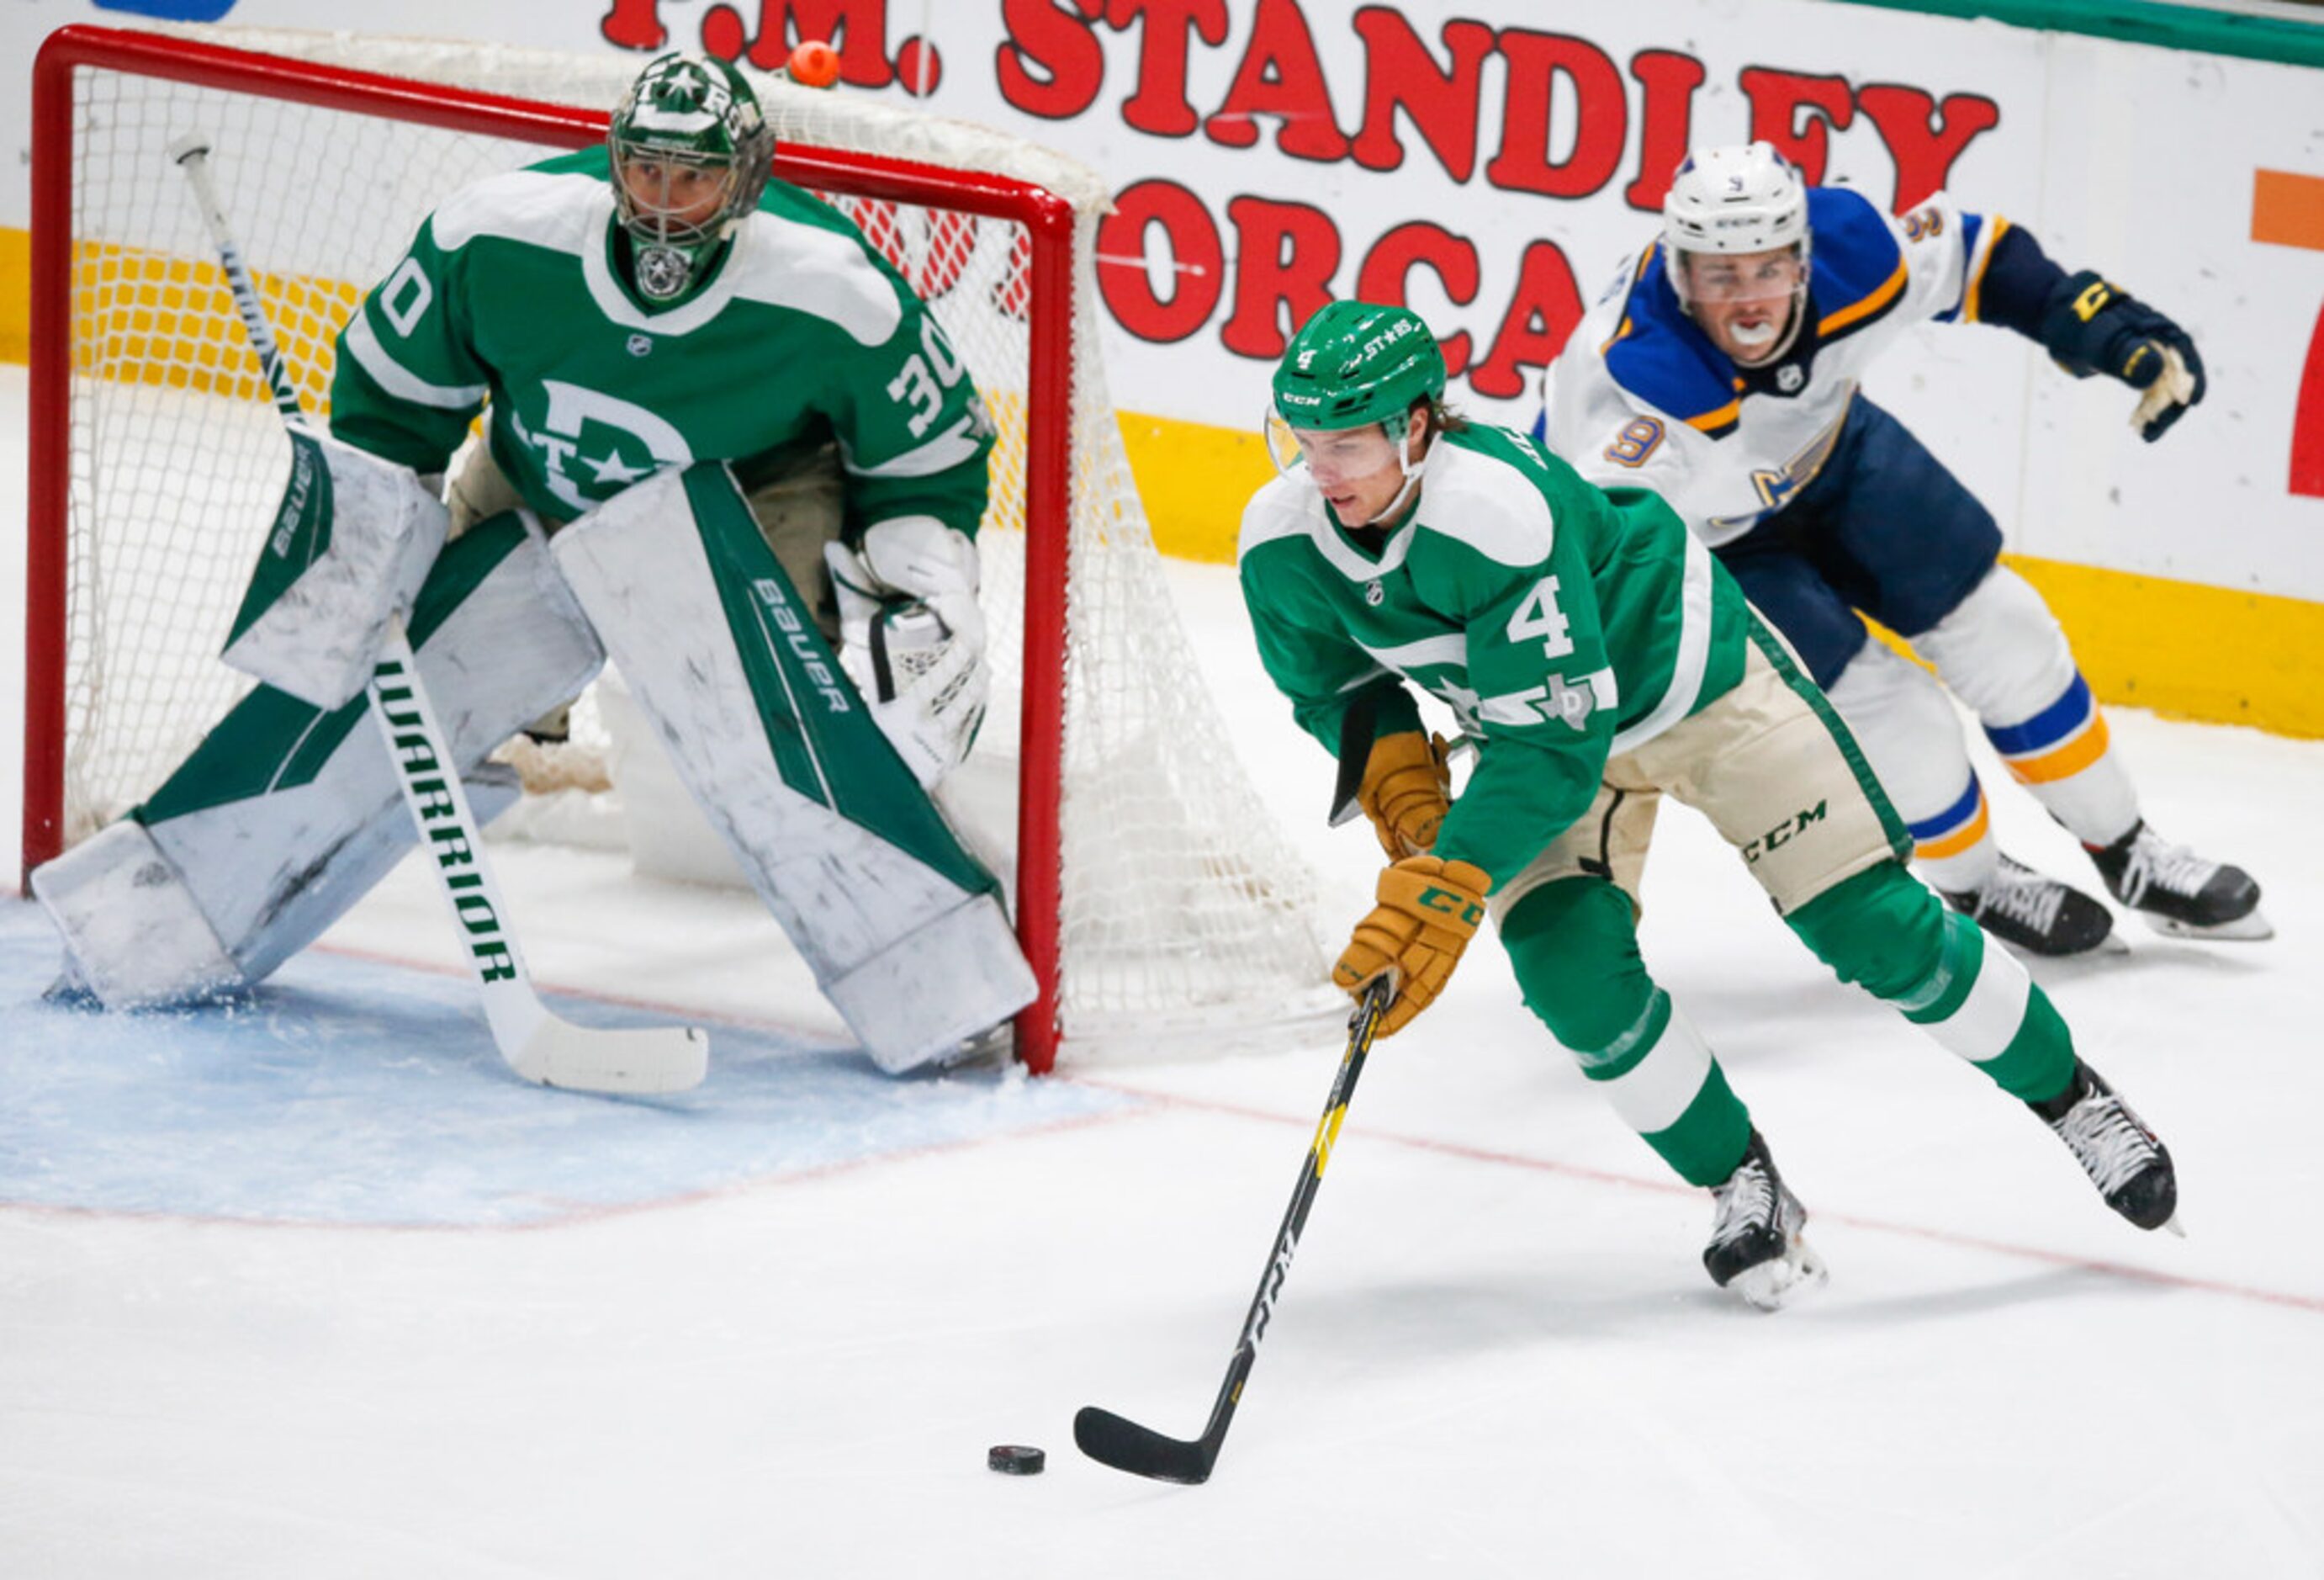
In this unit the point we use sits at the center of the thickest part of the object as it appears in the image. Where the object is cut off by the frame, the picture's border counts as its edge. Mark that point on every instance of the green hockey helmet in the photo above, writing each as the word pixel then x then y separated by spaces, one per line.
pixel 1353 363
pixel 690 152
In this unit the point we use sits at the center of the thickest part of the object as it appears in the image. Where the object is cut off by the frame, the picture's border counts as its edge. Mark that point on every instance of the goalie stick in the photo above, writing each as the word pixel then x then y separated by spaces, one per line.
pixel 536 1044
pixel 1124 1445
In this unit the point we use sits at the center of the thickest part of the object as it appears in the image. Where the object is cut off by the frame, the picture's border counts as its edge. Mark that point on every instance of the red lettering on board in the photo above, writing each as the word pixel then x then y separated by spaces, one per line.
pixel 1052 64
pixel 1542 314
pixel 1666 83
pixel 1452 258
pixel 1159 106
pixel 1194 258
pixel 1923 138
pixel 1400 73
pixel 1600 115
pixel 1280 75
pixel 1285 254
pixel 634 24
pixel 1791 109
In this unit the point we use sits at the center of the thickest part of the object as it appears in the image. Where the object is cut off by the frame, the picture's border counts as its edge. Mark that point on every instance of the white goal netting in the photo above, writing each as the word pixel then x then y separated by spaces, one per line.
pixel 1180 908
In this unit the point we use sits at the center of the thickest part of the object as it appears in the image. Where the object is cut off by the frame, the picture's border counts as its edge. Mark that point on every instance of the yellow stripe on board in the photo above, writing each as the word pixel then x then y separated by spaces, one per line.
pixel 2141 641
pixel 1195 480
pixel 151 317
pixel 15 295
pixel 2191 651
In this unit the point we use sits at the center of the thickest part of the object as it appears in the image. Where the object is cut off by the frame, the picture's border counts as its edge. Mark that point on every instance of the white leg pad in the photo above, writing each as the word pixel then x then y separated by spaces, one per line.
pixel 285 816
pixel 313 621
pixel 133 934
pixel 902 926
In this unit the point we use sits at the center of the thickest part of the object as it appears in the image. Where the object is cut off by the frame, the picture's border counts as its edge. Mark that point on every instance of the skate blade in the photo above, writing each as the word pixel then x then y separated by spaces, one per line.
pixel 2249 927
pixel 2175 1226
pixel 1776 1284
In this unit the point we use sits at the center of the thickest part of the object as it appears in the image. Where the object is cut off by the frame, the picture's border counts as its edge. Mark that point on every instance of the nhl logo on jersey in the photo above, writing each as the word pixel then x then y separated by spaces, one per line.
pixel 1789 378
pixel 640 345
pixel 1375 594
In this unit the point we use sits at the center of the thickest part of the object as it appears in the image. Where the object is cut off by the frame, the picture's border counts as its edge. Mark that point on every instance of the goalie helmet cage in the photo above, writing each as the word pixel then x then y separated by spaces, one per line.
pixel 1154 898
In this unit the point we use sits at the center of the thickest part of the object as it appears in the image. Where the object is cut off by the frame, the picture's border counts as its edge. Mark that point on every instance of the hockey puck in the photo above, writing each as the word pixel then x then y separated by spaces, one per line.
pixel 1015 1459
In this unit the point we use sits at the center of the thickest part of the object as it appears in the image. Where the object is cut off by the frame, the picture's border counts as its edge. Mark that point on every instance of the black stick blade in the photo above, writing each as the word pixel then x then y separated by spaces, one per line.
pixel 1109 1439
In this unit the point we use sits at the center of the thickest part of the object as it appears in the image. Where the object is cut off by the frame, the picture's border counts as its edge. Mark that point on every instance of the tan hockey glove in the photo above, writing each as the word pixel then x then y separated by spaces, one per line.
pixel 1407 791
pixel 1428 911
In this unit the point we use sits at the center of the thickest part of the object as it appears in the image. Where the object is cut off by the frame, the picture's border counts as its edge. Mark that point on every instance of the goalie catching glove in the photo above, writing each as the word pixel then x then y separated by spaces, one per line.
pixel 1407 791
pixel 1428 911
pixel 2091 327
pixel 912 638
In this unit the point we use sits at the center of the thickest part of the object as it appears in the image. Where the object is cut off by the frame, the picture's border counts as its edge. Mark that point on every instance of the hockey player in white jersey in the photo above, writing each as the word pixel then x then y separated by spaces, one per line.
pixel 699 389
pixel 1722 368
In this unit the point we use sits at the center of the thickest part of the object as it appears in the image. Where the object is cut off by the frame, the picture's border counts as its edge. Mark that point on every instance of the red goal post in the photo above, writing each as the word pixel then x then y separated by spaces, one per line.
pixel 94 98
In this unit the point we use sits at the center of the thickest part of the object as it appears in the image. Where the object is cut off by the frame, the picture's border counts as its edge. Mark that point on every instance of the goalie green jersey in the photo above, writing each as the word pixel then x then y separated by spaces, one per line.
pixel 1563 624
pixel 514 294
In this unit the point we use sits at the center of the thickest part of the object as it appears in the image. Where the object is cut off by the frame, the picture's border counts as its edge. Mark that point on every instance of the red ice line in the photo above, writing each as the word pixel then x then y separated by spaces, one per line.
pixel 1668 1187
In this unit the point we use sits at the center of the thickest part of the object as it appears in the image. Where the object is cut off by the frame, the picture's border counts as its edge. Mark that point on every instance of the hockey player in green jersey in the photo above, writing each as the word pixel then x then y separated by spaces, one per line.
pixel 1598 658
pixel 710 409
pixel 660 302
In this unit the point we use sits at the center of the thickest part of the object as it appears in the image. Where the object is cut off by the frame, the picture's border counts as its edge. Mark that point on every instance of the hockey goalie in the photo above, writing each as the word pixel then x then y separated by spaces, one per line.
pixel 723 444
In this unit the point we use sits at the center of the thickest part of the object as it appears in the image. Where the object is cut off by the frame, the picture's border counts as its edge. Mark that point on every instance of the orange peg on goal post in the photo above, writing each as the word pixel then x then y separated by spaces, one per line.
pixel 814 64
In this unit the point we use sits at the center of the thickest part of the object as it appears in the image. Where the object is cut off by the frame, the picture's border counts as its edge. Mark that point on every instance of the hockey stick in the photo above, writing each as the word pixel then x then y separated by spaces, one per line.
pixel 536 1044
pixel 1124 1445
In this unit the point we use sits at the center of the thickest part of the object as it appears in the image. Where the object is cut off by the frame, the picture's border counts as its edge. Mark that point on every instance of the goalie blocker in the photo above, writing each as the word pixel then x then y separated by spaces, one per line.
pixel 903 927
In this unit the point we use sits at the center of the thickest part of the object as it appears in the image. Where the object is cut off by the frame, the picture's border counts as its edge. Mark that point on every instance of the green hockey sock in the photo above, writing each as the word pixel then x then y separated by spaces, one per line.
pixel 1884 931
pixel 1576 952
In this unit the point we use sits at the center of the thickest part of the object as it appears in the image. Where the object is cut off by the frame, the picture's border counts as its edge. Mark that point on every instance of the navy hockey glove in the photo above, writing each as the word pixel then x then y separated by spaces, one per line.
pixel 2091 327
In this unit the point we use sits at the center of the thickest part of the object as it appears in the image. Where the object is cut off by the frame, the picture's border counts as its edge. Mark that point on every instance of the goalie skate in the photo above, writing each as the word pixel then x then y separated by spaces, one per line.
pixel 2038 914
pixel 1757 1248
pixel 2124 1160
pixel 2180 894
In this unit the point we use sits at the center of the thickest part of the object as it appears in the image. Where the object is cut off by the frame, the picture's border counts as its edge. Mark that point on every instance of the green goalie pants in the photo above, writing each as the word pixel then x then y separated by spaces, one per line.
pixel 1774 768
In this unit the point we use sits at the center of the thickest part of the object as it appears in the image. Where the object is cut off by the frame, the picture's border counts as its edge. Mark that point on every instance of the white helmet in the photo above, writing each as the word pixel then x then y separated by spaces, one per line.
pixel 1746 199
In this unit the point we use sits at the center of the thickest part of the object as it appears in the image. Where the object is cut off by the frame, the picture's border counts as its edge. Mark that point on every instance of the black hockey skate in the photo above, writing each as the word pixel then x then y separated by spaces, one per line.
pixel 1756 1248
pixel 2178 891
pixel 2040 915
pixel 2130 1166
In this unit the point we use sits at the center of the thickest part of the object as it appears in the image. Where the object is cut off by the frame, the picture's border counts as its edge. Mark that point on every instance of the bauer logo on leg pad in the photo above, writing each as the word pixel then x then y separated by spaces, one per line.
pixel 806 646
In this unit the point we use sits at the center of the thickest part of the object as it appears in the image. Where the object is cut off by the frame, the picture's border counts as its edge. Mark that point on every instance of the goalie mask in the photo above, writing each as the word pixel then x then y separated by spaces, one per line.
pixel 690 153
pixel 1354 365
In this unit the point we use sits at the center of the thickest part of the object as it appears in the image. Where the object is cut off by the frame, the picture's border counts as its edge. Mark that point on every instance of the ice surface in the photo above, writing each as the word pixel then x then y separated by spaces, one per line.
pixel 312 1286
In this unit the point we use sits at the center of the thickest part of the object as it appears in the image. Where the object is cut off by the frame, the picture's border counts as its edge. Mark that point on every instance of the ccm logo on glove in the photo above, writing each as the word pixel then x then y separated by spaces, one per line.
pixel 1428 911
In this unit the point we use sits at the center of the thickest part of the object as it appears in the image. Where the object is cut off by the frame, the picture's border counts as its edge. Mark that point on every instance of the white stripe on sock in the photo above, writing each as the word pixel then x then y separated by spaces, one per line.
pixel 1652 1094
pixel 1988 1019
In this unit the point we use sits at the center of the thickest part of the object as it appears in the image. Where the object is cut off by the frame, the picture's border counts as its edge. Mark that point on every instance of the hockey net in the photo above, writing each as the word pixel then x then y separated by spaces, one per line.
pixel 1154 894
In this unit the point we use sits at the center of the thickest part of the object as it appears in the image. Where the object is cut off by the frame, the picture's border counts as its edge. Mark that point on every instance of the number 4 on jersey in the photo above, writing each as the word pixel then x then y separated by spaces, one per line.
pixel 1537 615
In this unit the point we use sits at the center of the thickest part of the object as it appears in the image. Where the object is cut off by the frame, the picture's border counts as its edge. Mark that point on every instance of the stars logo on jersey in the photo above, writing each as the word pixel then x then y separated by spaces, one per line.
pixel 1375 594
pixel 617 441
pixel 640 345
